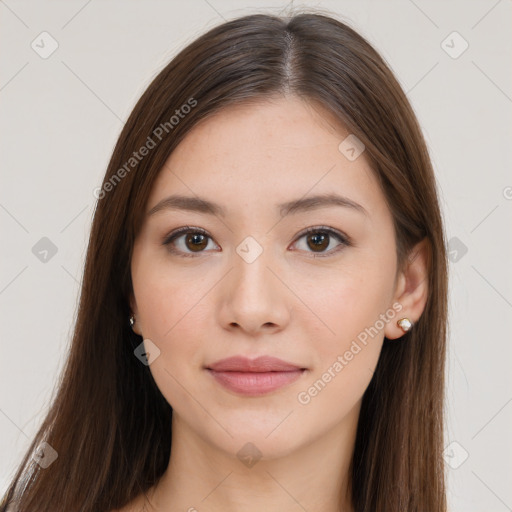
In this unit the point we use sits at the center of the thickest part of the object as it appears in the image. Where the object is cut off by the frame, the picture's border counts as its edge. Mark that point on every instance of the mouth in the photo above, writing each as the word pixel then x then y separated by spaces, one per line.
pixel 255 383
pixel 256 377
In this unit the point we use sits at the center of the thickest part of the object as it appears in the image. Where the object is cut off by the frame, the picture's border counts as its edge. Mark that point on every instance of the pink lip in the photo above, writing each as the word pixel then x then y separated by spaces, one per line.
pixel 260 364
pixel 254 377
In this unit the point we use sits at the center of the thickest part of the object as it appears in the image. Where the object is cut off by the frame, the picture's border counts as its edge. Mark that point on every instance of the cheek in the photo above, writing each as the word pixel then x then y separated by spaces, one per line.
pixel 354 308
pixel 169 307
pixel 351 299
pixel 170 311
pixel 172 318
pixel 165 296
pixel 345 360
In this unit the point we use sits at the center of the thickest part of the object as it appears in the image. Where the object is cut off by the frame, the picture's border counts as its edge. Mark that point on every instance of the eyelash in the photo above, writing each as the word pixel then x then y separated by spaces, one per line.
pixel 342 238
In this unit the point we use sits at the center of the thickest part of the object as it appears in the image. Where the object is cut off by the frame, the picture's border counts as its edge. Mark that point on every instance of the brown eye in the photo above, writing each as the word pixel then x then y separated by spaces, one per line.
pixel 196 242
pixel 318 241
pixel 186 241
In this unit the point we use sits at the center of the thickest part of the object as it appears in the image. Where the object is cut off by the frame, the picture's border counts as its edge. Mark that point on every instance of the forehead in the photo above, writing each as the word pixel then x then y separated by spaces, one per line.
pixel 269 152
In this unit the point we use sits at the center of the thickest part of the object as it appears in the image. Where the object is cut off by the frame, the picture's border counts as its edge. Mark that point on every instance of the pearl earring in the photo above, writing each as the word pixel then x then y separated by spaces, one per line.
pixel 405 324
pixel 132 320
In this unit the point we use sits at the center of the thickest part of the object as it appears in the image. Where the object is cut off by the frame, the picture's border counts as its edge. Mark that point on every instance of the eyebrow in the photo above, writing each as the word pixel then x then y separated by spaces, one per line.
pixel 200 205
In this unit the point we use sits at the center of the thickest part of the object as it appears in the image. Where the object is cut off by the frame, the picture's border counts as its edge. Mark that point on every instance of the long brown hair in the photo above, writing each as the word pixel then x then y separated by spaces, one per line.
pixel 108 422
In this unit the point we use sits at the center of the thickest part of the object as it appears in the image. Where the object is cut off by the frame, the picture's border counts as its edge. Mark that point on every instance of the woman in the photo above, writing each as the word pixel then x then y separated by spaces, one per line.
pixel 262 321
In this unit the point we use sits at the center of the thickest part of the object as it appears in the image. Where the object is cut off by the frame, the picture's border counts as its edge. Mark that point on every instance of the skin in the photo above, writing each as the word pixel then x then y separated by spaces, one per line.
pixel 290 303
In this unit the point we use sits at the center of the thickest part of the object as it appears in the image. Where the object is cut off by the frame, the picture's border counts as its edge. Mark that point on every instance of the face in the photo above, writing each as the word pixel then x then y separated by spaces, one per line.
pixel 246 279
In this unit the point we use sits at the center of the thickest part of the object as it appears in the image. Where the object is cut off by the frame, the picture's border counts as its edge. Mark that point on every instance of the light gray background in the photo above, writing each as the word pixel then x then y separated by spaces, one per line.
pixel 60 118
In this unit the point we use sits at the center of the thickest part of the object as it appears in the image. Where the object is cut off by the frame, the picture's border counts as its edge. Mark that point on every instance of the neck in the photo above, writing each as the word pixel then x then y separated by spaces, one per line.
pixel 204 478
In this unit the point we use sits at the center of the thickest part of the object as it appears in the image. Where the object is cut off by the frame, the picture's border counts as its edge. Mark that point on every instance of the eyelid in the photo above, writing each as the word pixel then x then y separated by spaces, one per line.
pixel 183 230
pixel 325 229
pixel 340 236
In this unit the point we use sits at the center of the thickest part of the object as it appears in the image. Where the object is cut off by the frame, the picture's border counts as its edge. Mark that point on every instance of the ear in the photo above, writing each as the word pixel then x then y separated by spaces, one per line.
pixel 135 312
pixel 411 290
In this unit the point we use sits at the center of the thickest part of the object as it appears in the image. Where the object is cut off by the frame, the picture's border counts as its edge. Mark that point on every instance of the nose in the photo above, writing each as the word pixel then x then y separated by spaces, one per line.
pixel 254 297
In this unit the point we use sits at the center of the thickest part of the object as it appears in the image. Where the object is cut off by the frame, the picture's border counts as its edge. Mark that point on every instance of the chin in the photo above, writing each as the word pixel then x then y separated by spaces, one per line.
pixel 258 442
